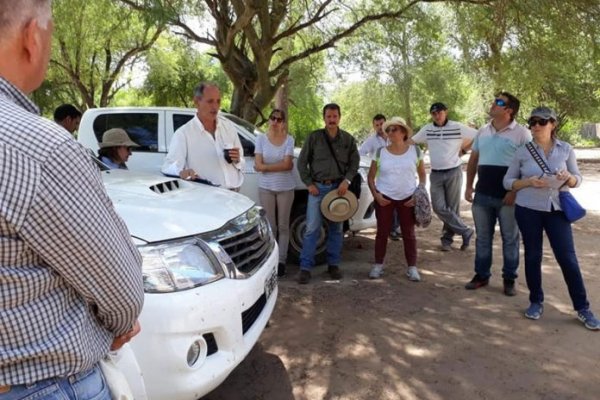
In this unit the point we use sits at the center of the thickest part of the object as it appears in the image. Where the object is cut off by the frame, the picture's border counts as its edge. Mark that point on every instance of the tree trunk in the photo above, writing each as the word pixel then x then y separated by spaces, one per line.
pixel 281 97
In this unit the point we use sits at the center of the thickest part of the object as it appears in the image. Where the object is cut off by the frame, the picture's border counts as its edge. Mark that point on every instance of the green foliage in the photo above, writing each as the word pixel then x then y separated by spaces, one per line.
pixel 360 101
pixel 96 47
pixel 305 102
pixel 407 67
pixel 175 67
pixel 550 60
pixel 457 53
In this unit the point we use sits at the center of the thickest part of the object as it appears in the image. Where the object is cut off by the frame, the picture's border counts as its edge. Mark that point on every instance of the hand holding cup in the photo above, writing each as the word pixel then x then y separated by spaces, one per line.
pixel 232 155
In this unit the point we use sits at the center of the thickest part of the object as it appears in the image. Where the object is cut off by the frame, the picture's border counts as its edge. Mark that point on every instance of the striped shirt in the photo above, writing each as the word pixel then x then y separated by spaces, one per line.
pixel 281 180
pixel 70 276
pixel 444 143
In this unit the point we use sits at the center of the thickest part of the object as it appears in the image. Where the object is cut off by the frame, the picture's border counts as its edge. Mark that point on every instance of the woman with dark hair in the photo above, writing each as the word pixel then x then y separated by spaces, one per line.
pixel 274 160
pixel 115 148
pixel 538 172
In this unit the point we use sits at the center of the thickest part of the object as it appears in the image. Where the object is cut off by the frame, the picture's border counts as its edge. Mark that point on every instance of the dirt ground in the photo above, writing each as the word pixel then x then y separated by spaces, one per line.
pixel 433 340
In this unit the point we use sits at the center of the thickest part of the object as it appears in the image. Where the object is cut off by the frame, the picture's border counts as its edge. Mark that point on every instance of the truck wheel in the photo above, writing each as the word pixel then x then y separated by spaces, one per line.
pixel 297 228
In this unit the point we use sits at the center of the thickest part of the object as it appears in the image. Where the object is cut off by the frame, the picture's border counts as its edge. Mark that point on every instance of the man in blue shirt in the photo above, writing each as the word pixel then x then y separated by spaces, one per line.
pixel 492 152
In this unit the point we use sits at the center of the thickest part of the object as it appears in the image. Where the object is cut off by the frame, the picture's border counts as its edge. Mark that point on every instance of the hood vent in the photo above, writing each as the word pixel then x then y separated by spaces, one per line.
pixel 165 187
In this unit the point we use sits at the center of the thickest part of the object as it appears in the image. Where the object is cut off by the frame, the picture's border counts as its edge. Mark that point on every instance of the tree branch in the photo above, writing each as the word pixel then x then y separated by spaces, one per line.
pixel 350 30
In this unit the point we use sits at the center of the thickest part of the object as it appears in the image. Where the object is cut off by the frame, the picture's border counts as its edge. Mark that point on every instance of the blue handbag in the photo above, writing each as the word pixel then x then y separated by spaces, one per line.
pixel 568 204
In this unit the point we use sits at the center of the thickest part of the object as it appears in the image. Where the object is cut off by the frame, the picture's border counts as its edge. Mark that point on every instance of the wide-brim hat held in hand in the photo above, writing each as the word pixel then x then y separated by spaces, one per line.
pixel 338 208
pixel 116 137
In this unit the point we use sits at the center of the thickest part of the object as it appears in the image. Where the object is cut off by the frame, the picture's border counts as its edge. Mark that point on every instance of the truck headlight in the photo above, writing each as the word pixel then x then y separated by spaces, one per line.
pixel 171 267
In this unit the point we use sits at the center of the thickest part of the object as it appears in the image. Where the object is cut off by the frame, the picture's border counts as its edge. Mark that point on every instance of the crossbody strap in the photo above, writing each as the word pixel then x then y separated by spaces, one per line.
pixel 538 159
pixel 332 152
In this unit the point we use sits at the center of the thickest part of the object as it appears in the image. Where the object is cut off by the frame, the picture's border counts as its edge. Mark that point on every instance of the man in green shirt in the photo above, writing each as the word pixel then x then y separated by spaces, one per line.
pixel 322 174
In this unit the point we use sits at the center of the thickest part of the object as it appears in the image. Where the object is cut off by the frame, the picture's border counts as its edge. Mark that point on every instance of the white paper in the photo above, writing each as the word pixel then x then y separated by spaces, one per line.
pixel 552 181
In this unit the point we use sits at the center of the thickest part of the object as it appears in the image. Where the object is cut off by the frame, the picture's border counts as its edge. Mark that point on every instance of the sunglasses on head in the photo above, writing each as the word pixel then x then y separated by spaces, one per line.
pixel 275 119
pixel 541 122
pixel 500 102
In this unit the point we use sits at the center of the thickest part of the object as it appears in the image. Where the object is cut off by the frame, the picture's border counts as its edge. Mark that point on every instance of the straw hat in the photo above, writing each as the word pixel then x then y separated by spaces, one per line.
pixel 338 208
pixel 116 137
pixel 398 121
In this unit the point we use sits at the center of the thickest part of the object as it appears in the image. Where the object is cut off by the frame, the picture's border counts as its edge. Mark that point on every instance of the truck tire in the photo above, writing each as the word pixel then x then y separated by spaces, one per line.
pixel 297 228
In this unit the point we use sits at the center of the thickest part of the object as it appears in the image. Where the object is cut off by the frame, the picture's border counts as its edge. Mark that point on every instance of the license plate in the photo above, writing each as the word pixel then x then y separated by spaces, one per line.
pixel 271 283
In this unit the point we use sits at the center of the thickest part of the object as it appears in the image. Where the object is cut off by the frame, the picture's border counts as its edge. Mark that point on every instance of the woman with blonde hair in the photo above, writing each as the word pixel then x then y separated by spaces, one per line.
pixel 274 160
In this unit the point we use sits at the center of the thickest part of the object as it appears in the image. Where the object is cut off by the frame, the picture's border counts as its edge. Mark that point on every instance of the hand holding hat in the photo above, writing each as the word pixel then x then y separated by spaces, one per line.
pixel 338 208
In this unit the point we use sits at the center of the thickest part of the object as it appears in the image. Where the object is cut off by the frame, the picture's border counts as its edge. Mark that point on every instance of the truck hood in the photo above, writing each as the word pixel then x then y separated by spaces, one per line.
pixel 157 208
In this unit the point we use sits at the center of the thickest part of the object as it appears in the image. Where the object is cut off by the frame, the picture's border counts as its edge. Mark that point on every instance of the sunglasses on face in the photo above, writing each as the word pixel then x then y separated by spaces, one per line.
pixel 541 122
pixel 393 129
pixel 500 102
pixel 276 119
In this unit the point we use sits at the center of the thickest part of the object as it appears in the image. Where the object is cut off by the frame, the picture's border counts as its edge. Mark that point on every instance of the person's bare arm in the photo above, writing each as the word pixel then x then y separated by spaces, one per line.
pixel 471 172
pixel 371 182
pixel 285 165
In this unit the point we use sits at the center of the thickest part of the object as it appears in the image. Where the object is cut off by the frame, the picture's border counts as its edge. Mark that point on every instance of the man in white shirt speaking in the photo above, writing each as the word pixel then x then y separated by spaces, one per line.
pixel 207 147
pixel 447 140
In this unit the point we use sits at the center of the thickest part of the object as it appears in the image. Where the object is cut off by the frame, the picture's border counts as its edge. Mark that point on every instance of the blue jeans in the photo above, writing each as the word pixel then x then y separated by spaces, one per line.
pixel 486 211
pixel 314 220
pixel 87 385
pixel 445 201
pixel 532 224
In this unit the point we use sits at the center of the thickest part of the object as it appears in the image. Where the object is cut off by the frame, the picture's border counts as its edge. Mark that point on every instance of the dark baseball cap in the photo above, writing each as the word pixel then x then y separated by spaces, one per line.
pixel 435 107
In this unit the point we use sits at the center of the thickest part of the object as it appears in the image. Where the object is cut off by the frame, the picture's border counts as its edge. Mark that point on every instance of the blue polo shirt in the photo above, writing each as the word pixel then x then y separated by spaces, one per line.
pixel 496 150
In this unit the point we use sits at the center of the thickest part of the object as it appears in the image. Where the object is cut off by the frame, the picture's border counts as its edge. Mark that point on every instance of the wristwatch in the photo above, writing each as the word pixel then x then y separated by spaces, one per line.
pixel 349 181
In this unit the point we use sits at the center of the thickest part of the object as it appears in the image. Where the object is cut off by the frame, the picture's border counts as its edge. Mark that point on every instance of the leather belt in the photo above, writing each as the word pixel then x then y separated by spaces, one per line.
pixel 445 170
pixel 330 181
pixel 5 389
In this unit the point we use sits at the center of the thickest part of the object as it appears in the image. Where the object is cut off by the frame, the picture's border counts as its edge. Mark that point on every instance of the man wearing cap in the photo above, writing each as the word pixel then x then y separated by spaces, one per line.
pixel 493 150
pixel 328 161
pixel 207 147
pixel 71 284
pixel 447 140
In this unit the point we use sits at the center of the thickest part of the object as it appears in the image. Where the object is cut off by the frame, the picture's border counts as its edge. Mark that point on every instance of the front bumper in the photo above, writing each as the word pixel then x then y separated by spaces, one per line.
pixel 224 318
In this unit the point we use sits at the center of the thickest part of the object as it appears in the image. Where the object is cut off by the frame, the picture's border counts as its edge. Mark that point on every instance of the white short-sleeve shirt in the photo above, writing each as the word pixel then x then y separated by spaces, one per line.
pixel 272 154
pixel 445 142
pixel 396 174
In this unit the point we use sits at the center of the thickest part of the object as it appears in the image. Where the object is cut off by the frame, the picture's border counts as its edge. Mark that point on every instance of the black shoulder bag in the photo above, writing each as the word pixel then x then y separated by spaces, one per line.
pixel 356 182
pixel 569 205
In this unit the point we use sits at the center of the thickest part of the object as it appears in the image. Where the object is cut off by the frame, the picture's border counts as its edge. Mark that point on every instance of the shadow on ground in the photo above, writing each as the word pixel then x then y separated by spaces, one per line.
pixel 433 340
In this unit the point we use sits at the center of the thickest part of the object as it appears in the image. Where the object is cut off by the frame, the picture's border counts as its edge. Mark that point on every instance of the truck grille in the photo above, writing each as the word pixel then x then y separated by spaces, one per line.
pixel 251 315
pixel 248 249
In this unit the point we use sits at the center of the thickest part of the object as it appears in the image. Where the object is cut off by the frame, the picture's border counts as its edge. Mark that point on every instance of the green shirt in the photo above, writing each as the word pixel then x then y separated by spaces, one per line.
pixel 316 162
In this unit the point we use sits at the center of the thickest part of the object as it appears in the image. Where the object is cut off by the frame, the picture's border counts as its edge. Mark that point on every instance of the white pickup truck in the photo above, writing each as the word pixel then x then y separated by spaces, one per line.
pixel 210 282
pixel 153 127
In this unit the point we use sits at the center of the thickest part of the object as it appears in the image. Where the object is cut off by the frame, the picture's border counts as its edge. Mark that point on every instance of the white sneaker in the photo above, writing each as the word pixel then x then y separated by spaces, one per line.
pixel 413 274
pixel 376 271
